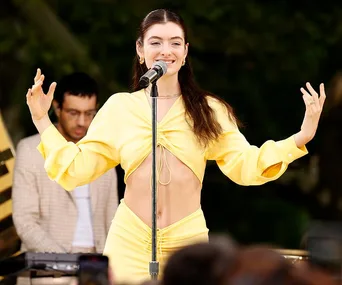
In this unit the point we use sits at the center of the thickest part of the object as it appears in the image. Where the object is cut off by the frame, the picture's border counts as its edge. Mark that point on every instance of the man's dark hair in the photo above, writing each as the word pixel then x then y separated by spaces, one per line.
pixel 77 84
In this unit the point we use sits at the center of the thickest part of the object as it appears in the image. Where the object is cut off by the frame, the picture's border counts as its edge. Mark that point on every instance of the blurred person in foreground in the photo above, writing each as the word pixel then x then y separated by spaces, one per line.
pixel 261 265
pixel 201 263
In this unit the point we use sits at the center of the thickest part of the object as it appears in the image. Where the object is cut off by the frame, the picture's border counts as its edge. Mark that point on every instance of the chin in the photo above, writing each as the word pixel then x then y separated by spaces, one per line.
pixel 172 71
pixel 78 137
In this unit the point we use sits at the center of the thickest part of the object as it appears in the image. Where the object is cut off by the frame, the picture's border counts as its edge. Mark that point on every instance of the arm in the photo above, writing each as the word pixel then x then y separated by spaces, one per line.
pixel 25 198
pixel 246 164
pixel 71 164
pixel 249 165
pixel 67 163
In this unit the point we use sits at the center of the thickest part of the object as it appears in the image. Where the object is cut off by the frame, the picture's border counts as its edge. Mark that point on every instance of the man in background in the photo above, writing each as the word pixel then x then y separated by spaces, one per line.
pixel 47 217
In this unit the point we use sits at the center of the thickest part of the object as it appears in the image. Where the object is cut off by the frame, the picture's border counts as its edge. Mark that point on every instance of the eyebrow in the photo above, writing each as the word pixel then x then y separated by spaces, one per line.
pixel 71 109
pixel 172 38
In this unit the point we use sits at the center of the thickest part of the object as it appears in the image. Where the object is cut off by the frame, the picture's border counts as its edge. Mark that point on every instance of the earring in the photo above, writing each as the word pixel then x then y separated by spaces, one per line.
pixel 141 60
pixel 183 62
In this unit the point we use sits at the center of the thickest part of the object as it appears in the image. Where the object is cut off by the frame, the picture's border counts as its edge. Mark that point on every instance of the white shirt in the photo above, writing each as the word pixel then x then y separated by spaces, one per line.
pixel 84 231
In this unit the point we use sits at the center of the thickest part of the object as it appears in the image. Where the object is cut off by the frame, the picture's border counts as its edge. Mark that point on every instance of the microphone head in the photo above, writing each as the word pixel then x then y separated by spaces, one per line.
pixel 157 70
pixel 160 66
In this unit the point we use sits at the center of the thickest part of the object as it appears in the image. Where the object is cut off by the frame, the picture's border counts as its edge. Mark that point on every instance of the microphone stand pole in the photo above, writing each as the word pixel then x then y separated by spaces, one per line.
pixel 154 264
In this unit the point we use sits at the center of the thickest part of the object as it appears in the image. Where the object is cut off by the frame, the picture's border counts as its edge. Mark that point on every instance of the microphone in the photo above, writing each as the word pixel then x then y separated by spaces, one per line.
pixel 157 70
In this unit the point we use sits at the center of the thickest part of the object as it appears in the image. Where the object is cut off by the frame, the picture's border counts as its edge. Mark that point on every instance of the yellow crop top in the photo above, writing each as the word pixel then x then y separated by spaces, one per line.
pixel 121 133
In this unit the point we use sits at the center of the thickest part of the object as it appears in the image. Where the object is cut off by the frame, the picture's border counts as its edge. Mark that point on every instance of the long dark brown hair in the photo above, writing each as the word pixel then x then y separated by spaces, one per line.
pixel 205 126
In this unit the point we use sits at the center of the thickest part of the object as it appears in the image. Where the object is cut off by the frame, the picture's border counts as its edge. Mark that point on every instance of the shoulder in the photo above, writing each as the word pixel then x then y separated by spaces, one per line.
pixel 216 105
pixel 119 102
pixel 117 107
pixel 27 152
pixel 30 142
pixel 224 117
pixel 122 97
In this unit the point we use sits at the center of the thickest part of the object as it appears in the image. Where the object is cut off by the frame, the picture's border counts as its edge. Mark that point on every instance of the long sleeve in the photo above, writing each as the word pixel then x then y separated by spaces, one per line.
pixel 25 198
pixel 70 164
pixel 246 164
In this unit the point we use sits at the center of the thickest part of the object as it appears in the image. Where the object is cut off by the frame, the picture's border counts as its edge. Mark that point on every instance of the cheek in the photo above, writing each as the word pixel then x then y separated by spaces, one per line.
pixel 149 58
pixel 66 122
pixel 181 53
pixel 150 55
pixel 87 124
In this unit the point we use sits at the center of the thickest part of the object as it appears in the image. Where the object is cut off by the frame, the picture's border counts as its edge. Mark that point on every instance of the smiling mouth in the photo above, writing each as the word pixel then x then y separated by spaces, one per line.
pixel 167 61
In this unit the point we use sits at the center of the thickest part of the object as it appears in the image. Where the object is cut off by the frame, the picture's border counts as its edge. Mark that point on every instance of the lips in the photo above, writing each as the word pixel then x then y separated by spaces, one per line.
pixel 80 131
pixel 167 61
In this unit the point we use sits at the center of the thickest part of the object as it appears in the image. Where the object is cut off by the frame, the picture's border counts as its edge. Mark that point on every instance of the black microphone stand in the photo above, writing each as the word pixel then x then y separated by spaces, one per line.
pixel 154 264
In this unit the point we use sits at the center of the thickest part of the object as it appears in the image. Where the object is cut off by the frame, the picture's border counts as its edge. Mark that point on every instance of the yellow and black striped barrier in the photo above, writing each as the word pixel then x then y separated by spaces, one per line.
pixel 9 241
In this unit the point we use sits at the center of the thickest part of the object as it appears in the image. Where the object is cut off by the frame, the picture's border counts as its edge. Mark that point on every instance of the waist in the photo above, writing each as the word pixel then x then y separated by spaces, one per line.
pixel 126 216
pixel 173 204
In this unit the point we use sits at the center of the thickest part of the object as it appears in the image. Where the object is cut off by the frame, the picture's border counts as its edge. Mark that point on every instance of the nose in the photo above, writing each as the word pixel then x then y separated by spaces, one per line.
pixel 81 120
pixel 166 50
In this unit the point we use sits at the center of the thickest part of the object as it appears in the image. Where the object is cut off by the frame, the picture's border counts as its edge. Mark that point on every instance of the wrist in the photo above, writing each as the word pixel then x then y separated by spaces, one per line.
pixel 301 139
pixel 42 123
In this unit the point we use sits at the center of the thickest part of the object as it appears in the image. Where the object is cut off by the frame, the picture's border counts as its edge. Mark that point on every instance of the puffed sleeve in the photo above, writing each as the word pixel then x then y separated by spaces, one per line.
pixel 247 164
pixel 71 164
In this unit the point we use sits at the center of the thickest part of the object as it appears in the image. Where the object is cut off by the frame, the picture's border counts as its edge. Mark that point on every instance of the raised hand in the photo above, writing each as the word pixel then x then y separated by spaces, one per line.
pixel 314 106
pixel 38 102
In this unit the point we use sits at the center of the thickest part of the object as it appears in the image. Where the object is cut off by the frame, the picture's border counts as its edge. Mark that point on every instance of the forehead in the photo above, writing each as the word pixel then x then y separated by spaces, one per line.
pixel 165 30
pixel 81 103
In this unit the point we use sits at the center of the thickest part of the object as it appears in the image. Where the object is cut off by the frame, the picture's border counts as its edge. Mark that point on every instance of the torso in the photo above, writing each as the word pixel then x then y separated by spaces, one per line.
pixel 178 194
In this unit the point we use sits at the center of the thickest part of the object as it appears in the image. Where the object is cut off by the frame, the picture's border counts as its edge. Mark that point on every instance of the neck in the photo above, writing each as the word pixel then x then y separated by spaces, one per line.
pixel 63 133
pixel 168 86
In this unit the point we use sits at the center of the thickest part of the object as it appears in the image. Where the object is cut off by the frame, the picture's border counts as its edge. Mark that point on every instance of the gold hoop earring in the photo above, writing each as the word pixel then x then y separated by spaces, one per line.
pixel 141 60
pixel 183 62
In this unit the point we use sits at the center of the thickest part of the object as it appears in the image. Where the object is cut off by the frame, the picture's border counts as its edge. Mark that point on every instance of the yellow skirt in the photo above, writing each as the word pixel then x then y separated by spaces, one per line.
pixel 128 244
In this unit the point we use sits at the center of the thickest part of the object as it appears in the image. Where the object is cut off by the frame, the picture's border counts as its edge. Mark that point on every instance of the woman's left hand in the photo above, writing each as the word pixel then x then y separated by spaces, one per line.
pixel 314 106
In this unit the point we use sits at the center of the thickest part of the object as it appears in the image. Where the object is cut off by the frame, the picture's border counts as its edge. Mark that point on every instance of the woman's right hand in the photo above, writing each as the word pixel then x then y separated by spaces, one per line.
pixel 38 102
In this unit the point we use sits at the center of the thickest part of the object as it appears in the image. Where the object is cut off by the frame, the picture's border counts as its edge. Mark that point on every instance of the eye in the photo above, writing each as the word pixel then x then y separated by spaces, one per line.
pixel 176 44
pixel 73 113
pixel 155 43
pixel 90 114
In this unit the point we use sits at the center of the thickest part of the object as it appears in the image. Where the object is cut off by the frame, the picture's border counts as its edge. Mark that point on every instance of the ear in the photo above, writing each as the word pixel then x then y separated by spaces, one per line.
pixel 186 50
pixel 56 108
pixel 139 49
